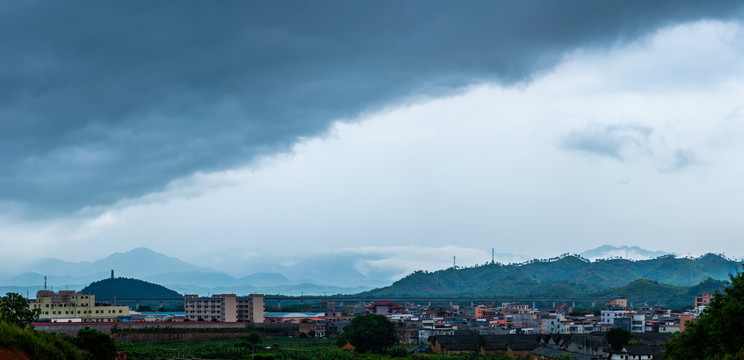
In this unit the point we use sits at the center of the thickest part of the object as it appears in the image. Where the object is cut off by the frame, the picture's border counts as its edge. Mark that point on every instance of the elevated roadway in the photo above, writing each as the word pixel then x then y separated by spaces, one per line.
pixel 420 299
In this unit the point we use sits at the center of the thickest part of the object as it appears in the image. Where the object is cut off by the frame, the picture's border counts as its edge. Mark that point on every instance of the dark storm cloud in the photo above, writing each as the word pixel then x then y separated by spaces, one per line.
pixel 102 101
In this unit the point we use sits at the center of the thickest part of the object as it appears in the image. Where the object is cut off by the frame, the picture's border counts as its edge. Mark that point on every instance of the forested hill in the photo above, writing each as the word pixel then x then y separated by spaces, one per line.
pixel 565 276
pixel 123 288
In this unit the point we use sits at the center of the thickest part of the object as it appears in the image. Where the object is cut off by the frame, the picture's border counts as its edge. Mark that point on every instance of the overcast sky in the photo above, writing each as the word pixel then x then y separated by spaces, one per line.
pixel 271 128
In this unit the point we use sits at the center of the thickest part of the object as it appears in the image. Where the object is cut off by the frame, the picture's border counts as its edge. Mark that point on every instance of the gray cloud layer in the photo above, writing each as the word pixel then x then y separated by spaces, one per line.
pixel 105 101
pixel 608 141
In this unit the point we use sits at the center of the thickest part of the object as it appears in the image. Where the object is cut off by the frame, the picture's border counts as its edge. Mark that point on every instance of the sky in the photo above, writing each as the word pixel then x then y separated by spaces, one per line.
pixel 412 131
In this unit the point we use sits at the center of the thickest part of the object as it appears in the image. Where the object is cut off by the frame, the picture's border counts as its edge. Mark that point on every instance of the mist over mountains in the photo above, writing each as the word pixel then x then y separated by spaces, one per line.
pixel 316 275
pixel 624 252
pixel 234 271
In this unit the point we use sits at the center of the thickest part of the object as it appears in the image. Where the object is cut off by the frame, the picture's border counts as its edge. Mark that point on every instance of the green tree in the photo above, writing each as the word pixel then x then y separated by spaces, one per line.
pixel 254 338
pixel 618 338
pixel 14 310
pixel 252 341
pixel 98 344
pixel 369 333
pixel 719 331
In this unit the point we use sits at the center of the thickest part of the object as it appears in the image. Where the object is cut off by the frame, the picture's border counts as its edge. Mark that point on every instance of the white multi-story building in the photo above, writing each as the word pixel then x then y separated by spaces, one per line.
pixel 638 323
pixel 554 324
pixel 225 308
pixel 608 316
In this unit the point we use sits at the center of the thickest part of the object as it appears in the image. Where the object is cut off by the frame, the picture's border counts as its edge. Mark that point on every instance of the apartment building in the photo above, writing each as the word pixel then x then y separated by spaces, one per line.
pixel 703 300
pixel 225 308
pixel 608 316
pixel 68 305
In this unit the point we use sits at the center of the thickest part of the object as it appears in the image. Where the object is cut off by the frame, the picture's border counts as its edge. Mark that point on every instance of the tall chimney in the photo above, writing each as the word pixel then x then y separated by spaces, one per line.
pixel 112 273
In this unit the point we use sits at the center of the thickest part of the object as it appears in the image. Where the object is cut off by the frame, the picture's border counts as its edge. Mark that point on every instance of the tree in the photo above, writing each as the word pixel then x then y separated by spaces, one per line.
pixel 254 338
pixel 252 341
pixel 618 338
pixel 98 344
pixel 719 331
pixel 14 310
pixel 370 333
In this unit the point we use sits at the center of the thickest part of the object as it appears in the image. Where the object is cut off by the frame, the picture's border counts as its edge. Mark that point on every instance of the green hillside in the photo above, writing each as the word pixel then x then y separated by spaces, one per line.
pixel 674 296
pixel 123 288
pixel 677 280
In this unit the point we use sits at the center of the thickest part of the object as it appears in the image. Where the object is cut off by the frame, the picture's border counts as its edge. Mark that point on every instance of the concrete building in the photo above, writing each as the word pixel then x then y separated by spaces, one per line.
pixel 617 302
pixel 385 308
pixel 703 300
pixel 70 306
pixel 608 316
pixel 224 308
pixel 553 324
pixel 638 323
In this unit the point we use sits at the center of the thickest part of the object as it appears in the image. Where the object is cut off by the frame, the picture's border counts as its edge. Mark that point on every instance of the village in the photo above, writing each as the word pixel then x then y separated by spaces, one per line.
pixel 514 330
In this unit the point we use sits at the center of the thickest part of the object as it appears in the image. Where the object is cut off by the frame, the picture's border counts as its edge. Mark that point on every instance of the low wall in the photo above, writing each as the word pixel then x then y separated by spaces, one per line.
pixel 161 337
pixel 171 331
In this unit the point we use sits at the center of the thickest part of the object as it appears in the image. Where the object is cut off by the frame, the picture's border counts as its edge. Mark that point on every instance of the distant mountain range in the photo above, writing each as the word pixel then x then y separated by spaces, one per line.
pixel 145 264
pixel 571 276
pixel 340 273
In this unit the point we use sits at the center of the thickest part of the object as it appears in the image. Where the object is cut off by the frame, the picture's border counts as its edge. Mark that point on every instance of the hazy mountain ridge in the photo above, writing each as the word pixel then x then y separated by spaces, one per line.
pixel 625 252
pixel 145 264
pixel 567 276
pixel 322 273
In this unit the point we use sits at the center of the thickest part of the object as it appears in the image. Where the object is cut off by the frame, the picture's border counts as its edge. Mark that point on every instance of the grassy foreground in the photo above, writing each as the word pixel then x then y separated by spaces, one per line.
pixel 280 348
pixel 37 345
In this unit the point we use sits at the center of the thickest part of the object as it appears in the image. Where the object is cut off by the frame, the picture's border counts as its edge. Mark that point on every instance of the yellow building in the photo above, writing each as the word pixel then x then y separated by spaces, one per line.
pixel 72 306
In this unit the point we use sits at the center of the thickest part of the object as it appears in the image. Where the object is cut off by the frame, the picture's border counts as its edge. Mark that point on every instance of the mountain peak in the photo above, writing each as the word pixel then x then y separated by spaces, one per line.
pixel 623 251
pixel 140 251
pixel 141 262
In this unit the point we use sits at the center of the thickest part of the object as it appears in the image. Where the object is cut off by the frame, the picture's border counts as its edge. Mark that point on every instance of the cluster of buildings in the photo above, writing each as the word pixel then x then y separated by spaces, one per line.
pixel 419 323
pixel 520 331
pixel 516 330
pixel 68 306
pixel 547 346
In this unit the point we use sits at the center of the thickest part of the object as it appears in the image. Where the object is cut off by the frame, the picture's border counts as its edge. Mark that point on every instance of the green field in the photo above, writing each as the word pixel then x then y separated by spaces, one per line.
pixel 283 348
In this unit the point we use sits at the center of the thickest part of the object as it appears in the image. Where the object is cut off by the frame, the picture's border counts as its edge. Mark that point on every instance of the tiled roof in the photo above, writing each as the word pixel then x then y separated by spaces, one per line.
pixel 555 353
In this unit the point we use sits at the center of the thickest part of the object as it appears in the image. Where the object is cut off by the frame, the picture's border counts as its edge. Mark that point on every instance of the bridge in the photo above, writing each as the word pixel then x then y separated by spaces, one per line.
pixel 419 299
